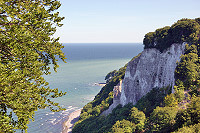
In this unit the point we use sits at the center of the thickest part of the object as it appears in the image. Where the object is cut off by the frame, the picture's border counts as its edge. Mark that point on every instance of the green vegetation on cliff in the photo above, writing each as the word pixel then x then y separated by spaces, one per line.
pixel 101 102
pixel 27 48
pixel 159 110
pixel 185 30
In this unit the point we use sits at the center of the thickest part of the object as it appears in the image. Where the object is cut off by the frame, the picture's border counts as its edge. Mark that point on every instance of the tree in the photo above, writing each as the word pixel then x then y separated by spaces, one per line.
pixel 137 117
pixel 184 30
pixel 190 129
pixel 194 110
pixel 110 75
pixel 189 116
pixel 162 119
pixel 27 48
pixel 187 69
pixel 148 103
pixel 123 126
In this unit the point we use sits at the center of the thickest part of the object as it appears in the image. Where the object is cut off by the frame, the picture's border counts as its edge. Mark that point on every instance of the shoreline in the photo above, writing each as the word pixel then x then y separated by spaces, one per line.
pixel 100 84
pixel 73 118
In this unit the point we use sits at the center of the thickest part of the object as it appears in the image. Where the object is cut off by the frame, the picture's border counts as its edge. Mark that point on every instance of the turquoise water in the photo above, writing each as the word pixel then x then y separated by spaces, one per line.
pixel 86 65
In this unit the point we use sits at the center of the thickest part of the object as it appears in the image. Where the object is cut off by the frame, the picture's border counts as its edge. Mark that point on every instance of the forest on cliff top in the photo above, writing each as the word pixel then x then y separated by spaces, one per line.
pixel 160 110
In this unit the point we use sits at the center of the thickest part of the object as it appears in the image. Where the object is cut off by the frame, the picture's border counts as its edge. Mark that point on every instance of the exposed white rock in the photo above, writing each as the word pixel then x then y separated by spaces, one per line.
pixel 116 98
pixel 151 69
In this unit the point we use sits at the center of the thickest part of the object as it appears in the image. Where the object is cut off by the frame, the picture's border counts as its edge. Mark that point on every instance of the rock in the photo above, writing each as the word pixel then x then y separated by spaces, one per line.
pixel 151 69
pixel 116 98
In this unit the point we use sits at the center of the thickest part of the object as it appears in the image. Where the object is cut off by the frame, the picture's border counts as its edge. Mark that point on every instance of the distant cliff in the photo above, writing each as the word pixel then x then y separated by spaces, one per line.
pixel 151 69
pixel 137 97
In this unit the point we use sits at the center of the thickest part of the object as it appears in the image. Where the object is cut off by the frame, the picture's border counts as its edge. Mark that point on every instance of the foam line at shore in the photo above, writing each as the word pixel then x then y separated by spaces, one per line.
pixel 73 118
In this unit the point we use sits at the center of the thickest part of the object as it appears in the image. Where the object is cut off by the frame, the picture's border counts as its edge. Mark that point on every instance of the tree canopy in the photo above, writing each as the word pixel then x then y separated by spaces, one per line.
pixel 27 48
pixel 184 30
pixel 159 110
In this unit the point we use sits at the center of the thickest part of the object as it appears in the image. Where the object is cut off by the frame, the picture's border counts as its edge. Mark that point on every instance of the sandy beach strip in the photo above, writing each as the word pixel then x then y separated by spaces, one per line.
pixel 73 118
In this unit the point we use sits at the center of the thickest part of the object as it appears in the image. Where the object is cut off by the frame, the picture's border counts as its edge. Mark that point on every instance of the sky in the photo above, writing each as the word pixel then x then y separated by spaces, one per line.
pixel 120 21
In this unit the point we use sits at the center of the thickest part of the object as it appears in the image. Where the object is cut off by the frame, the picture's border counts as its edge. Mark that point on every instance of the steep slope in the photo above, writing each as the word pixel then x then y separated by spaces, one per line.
pixel 152 69
pixel 167 63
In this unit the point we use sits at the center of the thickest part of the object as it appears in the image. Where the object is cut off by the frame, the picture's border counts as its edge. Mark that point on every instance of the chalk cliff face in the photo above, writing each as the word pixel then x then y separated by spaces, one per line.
pixel 151 69
pixel 116 98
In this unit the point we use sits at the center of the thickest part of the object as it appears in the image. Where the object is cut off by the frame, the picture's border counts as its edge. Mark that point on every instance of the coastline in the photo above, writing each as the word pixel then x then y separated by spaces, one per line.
pixel 73 118
pixel 100 84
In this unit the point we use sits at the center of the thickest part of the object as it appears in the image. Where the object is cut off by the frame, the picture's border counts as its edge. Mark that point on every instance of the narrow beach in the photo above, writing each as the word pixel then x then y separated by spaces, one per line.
pixel 73 118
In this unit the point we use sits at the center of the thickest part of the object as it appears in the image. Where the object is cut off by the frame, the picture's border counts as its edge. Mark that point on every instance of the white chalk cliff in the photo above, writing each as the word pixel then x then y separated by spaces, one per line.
pixel 151 69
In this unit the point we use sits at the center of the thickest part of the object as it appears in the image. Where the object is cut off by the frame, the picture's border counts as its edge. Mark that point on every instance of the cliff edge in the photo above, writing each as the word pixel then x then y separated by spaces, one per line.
pixel 152 69
pixel 145 82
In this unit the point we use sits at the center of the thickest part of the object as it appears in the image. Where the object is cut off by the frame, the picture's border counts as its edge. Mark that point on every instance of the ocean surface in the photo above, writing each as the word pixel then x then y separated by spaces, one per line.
pixel 86 65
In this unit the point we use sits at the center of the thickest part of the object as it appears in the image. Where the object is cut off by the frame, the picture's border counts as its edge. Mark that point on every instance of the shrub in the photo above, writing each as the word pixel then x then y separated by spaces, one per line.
pixel 162 119
pixel 189 116
pixel 123 126
pixel 190 129
pixel 171 101
pixel 152 99
pixel 137 117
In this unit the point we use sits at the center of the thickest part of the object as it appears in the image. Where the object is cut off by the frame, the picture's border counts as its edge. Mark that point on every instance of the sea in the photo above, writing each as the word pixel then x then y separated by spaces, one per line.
pixel 87 64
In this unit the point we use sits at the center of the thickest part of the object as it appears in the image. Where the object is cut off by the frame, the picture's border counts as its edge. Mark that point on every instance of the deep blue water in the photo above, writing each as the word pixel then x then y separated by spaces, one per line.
pixel 86 65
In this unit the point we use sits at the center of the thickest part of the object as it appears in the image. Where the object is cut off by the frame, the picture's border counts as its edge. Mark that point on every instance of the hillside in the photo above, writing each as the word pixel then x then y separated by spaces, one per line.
pixel 158 110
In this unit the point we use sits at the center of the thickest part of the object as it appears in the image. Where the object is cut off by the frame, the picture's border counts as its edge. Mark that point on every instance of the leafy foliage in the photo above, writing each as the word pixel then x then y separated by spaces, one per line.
pixel 152 99
pixel 104 98
pixel 123 126
pixel 187 69
pixel 189 116
pixel 110 75
pixel 171 101
pixel 190 129
pixel 90 112
pixel 101 102
pixel 158 39
pixel 185 30
pixel 122 119
pixel 159 110
pixel 27 48
pixel 162 119
pixel 137 117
